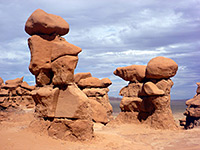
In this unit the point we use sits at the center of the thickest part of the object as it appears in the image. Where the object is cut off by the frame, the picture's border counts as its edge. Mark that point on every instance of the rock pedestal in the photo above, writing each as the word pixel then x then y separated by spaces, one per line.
pixel 192 112
pixel 53 60
pixel 146 99
pixel 16 94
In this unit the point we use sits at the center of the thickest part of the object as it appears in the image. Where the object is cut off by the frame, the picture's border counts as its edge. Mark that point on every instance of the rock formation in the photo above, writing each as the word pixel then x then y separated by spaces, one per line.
pixel 16 94
pixel 146 99
pixel 97 91
pixel 192 112
pixel 53 60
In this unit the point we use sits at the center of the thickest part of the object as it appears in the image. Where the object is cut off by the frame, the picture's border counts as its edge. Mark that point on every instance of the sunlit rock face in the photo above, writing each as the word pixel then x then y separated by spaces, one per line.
pixel 146 99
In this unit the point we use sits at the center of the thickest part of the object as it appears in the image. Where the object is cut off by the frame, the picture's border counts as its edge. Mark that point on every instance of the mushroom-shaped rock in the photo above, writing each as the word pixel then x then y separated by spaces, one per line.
pixel 133 73
pixel 79 76
pixel 13 83
pixel 152 90
pixel 161 68
pixel 41 22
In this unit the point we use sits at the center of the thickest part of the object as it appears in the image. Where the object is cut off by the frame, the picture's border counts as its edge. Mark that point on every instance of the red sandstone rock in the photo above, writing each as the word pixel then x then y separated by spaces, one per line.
pixel 40 54
pixel 133 73
pixel 92 82
pixel 106 82
pixel 99 113
pixel 41 22
pixel 133 90
pixel 63 69
pixel 71 130
pixel 161 68
pixel 16 82
pixel 72 103
pixel 151 89
pixel 79 76
pixel 95 92
pixel 60 47
pixel 46 99
pixel 132 104
pixel 26 86
pixel 4 92
pixel 1 81
pixel 165 85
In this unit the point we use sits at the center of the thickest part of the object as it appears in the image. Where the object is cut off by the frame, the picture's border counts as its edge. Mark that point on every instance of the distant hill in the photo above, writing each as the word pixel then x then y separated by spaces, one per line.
pixel 115 98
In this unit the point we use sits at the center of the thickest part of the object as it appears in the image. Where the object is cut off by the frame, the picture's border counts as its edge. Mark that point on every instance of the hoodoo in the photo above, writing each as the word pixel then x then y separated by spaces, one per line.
pixel 146 99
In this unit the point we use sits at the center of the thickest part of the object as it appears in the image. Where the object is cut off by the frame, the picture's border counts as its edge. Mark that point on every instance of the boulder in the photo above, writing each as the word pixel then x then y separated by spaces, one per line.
pixel 63 69
pixel 71 130
pixel 161 68
pixel 165 85
pixel 133 73
pixel 73 103
pixel 133 90
pixel 46 99
pixel 79 76
pixel 99 114
pixel 130 104
pixel 93 82
pixel 40 54
pixel 151 89
pixel 60 47
pixel 104 101
pixel 41 22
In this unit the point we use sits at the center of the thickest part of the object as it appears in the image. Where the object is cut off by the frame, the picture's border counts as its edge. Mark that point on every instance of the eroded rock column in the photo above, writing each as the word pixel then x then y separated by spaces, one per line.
pixel 146 99
pixel 53 60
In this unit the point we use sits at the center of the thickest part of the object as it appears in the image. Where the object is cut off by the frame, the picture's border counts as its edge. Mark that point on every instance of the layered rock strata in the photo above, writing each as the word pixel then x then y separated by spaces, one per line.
pixel 53 60
pixel 192 112
pixel 16 94
pixel 146 99
pixel 97 91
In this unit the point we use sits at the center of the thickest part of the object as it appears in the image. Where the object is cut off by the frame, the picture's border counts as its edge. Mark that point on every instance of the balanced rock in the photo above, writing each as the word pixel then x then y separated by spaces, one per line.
pixel 146 99
pixel 133 73
pixel 161 68
pixel 41 22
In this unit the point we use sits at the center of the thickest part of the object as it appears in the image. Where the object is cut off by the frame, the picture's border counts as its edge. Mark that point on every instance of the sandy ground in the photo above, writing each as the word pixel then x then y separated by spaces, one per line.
pixel 15 134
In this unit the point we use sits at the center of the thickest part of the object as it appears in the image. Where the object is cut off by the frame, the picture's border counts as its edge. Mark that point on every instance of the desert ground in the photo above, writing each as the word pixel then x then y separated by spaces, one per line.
pixel 16 134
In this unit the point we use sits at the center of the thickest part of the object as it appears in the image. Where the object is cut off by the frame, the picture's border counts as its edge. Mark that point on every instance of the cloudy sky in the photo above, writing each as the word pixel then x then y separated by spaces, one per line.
pixel 111 33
